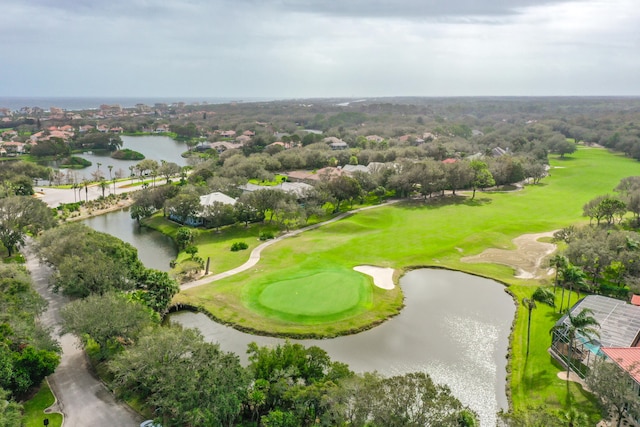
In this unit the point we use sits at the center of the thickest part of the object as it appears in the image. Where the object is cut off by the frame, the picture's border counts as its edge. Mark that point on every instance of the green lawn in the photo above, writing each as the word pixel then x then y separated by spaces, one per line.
pixel 435 233
pixel 534 380
pixel 413 234
pixel 277 179
pixel 216 245
pixel 33 409
pixel 312 297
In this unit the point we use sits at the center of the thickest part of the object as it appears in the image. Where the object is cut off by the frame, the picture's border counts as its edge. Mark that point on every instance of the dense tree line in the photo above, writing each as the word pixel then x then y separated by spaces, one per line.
pixel 27 353
pixel 184 380
pixel 604 257
pixel 88 262
pixel 20 215
pixel 100 141
pixel 17 177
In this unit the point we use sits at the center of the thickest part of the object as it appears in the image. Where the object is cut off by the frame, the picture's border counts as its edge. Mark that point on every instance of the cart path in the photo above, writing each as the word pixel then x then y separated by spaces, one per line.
pixel 254 257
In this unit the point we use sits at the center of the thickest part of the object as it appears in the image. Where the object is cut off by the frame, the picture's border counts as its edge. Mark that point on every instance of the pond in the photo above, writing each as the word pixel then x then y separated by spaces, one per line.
pixel 454 326
pixel 152 146
pixel 155 250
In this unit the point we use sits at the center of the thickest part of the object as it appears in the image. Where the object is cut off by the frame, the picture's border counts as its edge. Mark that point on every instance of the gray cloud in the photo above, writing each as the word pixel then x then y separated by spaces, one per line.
pixel 412 8
pixel 298 48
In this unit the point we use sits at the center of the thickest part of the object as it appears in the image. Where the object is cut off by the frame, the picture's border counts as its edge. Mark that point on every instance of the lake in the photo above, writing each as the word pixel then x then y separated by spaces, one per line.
pixel 454 326
pixel 152 146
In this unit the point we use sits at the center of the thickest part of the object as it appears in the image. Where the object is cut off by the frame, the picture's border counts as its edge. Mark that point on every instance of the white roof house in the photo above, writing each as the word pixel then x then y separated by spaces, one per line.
pixel 209 199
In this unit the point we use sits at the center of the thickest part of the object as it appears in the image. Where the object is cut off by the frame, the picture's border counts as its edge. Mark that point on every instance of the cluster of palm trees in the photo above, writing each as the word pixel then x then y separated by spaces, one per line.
pixel 580 324
pixel 567 276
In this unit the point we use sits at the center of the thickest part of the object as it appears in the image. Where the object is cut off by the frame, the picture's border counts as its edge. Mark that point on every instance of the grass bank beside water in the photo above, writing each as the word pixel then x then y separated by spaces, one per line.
pixel 436 233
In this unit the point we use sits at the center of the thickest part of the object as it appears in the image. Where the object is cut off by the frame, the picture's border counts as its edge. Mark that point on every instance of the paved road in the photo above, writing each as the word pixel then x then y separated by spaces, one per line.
pixel 55 196
pixel 82 398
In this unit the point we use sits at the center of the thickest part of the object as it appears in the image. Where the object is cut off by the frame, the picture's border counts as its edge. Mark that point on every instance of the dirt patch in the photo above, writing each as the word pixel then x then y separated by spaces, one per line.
pixel 85 213
pixel 526 259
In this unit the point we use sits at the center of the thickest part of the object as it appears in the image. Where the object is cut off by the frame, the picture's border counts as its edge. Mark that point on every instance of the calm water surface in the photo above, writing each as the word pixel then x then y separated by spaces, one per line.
pixel 153 147
pixel 454 326
pixel 155 250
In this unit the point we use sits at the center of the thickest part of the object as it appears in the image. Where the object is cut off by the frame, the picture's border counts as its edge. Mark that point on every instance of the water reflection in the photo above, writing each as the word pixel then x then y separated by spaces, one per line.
pixel 155 250
pixel 153 147
pixel 454 326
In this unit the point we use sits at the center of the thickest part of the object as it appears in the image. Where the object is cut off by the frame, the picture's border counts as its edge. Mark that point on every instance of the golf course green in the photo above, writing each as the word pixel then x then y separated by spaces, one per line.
pixel 417 233
pixel 305 285
pixel 315 297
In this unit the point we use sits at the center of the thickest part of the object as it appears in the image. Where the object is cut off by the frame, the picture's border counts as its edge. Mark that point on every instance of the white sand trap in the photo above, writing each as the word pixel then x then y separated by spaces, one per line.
pixel 382 277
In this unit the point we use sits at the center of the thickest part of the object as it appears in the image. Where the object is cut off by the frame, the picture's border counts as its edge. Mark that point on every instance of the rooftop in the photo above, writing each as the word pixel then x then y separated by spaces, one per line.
pixel 627 358
pixel 209 199
pixel 619 321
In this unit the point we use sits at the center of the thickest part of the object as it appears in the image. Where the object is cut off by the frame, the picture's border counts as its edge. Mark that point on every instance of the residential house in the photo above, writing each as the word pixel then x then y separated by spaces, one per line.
pixel 243 139
pixel 619 328
pixel 499 152
pixel 13 148
pixel 221 146
pixel 298 189
pixel 350 169
pixel 628 359
pixel 428 136
pixel 9 134
pixel 206 200
pixel 336 143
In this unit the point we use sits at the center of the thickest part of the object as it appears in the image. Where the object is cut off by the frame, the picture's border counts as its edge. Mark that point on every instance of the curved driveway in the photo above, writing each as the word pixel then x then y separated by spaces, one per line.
pixel 82 398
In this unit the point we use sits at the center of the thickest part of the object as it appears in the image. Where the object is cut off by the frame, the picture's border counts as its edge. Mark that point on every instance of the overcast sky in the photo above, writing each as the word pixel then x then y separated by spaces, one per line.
pixel 319 48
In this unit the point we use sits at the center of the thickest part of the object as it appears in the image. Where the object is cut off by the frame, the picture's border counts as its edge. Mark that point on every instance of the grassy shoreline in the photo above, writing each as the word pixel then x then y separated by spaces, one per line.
pixel 438 234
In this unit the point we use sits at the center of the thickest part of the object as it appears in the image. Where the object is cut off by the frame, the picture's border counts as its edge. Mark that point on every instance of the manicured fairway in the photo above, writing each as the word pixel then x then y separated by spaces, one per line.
pixel 315 297
pixel 435 233
pixel 409 234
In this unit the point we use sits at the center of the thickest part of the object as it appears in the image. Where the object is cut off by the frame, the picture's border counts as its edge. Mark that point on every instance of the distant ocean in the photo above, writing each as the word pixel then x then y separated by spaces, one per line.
pixel 70 104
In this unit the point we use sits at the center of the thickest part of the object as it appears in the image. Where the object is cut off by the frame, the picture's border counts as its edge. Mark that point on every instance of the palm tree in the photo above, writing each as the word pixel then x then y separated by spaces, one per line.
pixel 103 186
pixel 581 324
pixel 558 262
pixel 574 276
pixel 543 295
pixel 74 186
pixel 85 185
pixel 111 178
pixel 575 418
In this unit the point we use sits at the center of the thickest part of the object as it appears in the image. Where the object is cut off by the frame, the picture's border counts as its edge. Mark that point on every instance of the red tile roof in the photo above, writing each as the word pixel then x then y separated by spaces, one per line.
pixel 627 358
pixel 635 300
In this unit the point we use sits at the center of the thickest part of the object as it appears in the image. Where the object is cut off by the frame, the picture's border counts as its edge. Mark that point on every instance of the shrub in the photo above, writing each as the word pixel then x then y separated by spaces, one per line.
pixel 266 235
pixel 127 154
pixel 238 246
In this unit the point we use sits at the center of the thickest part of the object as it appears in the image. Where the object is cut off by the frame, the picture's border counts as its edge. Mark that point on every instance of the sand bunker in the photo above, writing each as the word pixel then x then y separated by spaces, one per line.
pixel 525 259
pixel 382 277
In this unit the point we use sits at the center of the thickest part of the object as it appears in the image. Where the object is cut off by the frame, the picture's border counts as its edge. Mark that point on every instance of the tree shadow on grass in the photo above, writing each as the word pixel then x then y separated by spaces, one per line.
pixel 442 201
pixel 565 159
pixel 478 201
